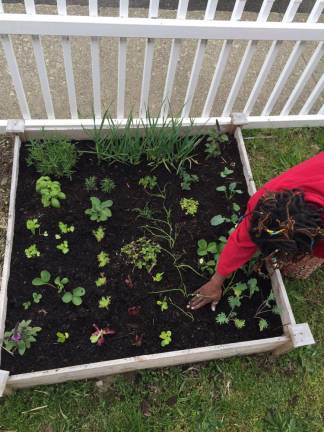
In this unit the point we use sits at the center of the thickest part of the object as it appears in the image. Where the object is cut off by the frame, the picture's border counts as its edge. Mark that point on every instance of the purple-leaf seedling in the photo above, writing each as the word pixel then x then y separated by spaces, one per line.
pixel 98 336
pixel 20 338
pixel 134 310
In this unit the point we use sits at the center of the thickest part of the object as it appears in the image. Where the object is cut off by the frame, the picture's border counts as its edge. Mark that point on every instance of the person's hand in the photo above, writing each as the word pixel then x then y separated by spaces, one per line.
pixel 210 292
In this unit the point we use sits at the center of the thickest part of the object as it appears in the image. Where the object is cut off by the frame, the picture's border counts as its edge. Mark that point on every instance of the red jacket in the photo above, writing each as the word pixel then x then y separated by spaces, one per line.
pixel 307 176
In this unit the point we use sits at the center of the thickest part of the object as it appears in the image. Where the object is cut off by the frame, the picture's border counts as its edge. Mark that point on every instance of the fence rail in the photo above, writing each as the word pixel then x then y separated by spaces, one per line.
pixel 215 42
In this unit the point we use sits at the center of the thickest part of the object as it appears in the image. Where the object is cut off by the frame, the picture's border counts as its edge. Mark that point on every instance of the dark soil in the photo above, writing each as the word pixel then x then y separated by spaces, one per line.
pixel 81 267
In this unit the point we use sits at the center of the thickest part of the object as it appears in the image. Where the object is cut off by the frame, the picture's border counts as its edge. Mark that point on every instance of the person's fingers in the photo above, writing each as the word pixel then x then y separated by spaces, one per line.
pixel 214 304
pixel 198 301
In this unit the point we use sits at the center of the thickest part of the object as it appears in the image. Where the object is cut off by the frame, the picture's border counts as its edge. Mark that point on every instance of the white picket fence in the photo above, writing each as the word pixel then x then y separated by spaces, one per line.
pixel 152 28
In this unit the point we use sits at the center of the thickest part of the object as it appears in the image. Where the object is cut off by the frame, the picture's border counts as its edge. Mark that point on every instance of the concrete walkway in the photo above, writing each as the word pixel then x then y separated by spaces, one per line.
pixel 135 58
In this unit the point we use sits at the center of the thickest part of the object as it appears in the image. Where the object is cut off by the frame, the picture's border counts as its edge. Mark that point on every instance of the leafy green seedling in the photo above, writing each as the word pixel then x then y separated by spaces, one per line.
pixel 98 336
pixel 99 233
pixel 100 210
pixel 65 229
pixel 103 259
pixel 104 302
pixel 229 190
pixel 142 253
pixel 107 185
pixel 32 225
pixel 163 304
pixel 101 281
pixel 158 277
pixel 50 191
pixel 148 182
pixel 63 247
pixel 21 337
pixel 62 337
pixel 74 296
pixel 37 297
pixel 60 283
pixel 189 205
pixel 226 172
pixel 32 251
pixel 187 179
pixel 166 337
pixel 26 305
pixel 90 183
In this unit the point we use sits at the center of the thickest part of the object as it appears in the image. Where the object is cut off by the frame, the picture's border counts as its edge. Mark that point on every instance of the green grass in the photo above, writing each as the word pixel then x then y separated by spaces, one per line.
pixel 248 394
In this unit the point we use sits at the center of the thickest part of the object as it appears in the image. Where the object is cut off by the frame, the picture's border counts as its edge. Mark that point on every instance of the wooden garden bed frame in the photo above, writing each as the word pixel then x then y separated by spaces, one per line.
pixel 294 335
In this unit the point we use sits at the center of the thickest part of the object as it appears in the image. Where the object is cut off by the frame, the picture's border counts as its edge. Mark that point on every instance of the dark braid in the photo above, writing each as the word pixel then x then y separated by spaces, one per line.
pixel 285 226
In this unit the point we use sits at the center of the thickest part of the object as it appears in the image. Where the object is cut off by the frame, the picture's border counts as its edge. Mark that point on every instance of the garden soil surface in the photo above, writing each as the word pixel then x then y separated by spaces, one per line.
pixel 81 267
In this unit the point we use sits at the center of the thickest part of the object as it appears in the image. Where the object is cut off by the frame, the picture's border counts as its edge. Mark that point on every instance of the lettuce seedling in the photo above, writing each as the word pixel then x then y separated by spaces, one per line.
pixel 189 205
pixel 103 259
pixel 50 191
pixel 163 304
pixel 62 337
pixel 166 337
pixel 74 296
pixel 99 233
pixel 158 277
pixel 100 210
pixel 32 225
pixel 101 281
pixel 104 302
pixel 37 297
pixel 148 182
pixel 98 336
pixel 65 229
pixel 32 251
pixel 21 337
pixel 107 185
pixel 63 247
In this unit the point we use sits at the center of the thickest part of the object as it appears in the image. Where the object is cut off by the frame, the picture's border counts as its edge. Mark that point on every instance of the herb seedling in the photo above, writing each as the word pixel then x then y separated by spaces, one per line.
pixel 163 304
pixel 267 306
pixel 62 337
pixel 222 319
pixel 107 185
pixel 90 183
pixel 229 190
pixel 99 233
pixel 63 247
pixel 65 229
pixel 32 251
pixel 158 277
pixel 104 302
pixel 32 225
pixel 187 179
pixel 142 253
pixel 166 337
pixel 145 212
pixel 50 191
pixel 100 210
pixel 101 281
pixel 37 297
pixel 20 338
pixel 26 305
pixel 74 296
pixel 189 205
pixel 226 172
pixel 98 336
pixel 103 259
pixel 148 182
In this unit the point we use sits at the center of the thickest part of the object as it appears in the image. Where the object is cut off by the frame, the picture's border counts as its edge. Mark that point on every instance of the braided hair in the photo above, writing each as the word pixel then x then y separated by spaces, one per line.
pixel 285 227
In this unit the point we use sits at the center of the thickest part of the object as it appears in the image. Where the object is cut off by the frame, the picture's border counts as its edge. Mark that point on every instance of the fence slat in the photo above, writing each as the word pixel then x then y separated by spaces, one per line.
pixel 95 63
pixel 291 62
pixel 68 66
pixel 305 76
pixel 222 61
pixel 122 57
pixel 270 58
pixel 315 94
pixel 198 60
pixel 246 60
pixel 148 62
pixel 173 62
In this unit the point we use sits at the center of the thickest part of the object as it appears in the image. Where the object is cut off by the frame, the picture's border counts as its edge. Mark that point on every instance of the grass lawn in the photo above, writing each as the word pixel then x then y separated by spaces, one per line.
pixel 250 394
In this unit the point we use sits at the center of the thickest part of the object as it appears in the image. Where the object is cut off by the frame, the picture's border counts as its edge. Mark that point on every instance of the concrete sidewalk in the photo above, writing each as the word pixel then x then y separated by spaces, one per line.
pixel 135 58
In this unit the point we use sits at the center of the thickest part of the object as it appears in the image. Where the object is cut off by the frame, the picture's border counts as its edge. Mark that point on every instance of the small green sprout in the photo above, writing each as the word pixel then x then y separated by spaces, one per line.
pixel 50 192
pixel 65 229
pixel 148 182
pixel 226 172
pixel 32 251
pixel 101 281
pixel 229 190
pixel 158 277
pixel 189 205
pixel 104 302
pixel 62 337
pixel 100 210
pixel 90 183
pixel 63 247
pixel 166 337
pixel 60 283
pixel 107 185
pixel 99 233
pixel 37 297
pixel 103 259
pixel 74 296
pixel 58 236
pixel 32 225
pixel 163 304
pixel 26 305
pixel 263 324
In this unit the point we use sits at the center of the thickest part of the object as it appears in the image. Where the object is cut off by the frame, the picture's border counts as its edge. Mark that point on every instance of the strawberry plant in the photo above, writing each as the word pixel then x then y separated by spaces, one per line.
pixel 74 296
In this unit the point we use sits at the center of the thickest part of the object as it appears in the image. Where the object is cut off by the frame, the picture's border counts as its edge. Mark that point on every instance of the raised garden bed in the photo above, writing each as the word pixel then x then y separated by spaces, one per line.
pixel 137 305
